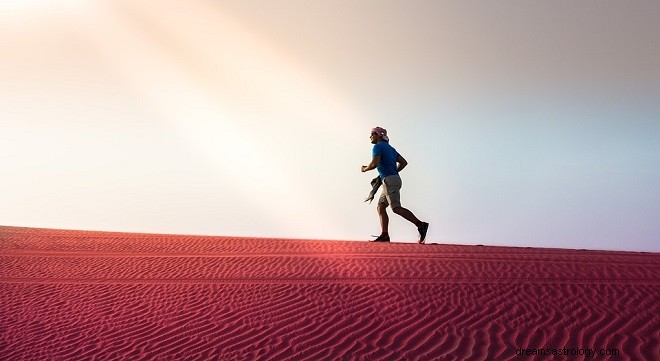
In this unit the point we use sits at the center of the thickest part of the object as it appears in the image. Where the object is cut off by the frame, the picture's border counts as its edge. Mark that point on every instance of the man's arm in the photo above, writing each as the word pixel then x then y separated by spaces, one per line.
pixel 402 163
pixel 374 163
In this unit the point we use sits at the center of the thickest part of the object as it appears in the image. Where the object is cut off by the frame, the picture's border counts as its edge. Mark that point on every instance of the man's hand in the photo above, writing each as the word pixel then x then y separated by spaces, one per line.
pixel 374 163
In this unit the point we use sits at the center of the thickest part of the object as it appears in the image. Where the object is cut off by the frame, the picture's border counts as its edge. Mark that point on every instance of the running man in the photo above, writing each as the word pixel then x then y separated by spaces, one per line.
pixel 389 163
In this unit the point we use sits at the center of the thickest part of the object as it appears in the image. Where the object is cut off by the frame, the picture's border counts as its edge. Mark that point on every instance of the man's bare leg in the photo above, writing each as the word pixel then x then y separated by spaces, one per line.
pixel 405 213
pixel 422 227
pixel 384 219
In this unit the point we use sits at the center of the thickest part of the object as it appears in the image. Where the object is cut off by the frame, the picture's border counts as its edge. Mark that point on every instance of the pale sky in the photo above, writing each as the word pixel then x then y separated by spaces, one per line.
pixel 525 123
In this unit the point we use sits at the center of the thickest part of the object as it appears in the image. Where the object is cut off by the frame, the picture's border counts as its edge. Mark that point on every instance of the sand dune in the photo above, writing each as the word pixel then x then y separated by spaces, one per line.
pixel 107 296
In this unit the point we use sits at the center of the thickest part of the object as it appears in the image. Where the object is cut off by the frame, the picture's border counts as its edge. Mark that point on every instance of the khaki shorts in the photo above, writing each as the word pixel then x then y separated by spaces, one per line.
pixel 390 195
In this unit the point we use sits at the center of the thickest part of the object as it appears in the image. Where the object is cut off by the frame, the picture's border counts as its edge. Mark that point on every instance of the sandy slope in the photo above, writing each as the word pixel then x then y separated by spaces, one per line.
pixel 101 295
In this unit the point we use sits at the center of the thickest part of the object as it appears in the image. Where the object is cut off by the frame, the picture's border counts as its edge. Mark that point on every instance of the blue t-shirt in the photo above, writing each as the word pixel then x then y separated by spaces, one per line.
pixel 388 155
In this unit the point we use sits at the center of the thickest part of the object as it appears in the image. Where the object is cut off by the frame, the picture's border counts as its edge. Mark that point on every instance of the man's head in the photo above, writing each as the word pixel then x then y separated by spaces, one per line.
pixel 378 134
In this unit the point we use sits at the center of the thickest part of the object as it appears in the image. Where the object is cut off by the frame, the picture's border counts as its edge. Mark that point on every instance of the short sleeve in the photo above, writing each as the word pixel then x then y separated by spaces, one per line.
pixel 377 150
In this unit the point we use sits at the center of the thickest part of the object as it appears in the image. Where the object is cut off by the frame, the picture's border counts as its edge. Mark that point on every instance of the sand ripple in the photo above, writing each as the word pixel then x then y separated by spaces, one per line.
pixel 106 296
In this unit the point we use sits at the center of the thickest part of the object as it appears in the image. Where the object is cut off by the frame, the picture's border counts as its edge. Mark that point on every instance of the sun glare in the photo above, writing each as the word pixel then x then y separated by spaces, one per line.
pixel 203 73
pixel 37 6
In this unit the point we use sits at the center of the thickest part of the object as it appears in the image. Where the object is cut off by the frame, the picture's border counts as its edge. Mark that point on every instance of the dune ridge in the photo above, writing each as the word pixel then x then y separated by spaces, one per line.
pixel 68 294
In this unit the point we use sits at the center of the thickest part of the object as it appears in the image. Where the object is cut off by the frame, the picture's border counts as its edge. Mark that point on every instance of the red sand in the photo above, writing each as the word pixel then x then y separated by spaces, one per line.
pixel 101 295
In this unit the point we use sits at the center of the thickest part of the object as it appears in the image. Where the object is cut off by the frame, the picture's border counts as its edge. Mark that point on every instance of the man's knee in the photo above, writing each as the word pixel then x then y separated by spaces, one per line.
pixel 382 208
pixel 398 209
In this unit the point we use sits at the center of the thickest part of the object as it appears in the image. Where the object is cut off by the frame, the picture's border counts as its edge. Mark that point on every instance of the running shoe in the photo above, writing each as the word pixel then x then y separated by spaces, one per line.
pixel 422 232
pixel 381 238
